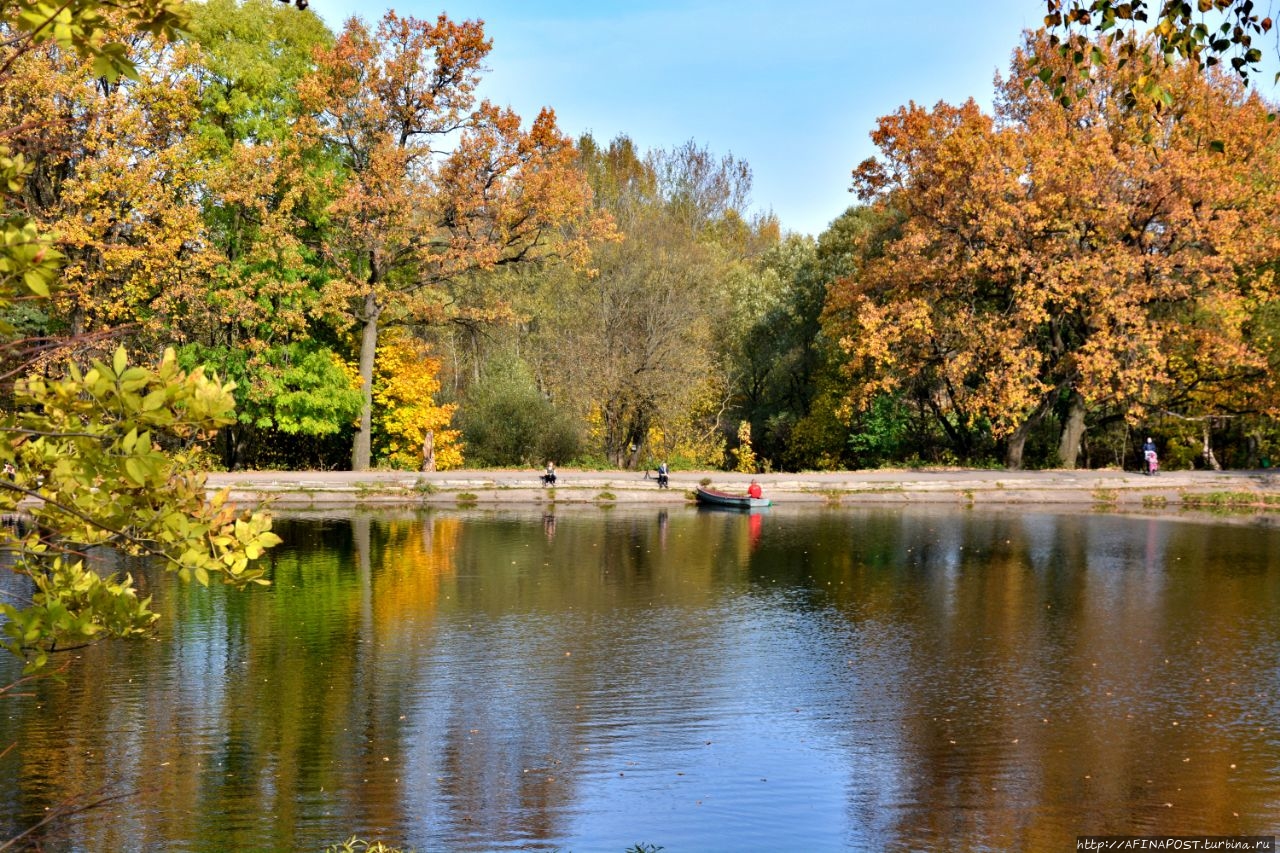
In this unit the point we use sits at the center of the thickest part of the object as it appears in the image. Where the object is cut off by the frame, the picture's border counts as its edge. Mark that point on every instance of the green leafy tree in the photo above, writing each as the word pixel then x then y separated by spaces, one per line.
pixel 253 53
pixel 507 421
pixel 300 389
pixel 257 316
pixel 638 346
pixel 789 383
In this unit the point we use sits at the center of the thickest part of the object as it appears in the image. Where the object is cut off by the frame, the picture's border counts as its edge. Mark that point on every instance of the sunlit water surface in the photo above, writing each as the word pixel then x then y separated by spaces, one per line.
pixel 703 681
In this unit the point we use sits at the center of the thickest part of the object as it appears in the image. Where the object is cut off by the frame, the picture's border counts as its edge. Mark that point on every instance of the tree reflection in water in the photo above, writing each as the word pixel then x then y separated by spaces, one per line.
pixel 851 679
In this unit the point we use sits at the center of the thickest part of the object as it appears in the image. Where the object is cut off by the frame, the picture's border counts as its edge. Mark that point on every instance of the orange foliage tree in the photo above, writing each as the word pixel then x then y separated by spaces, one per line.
pixel 432 184
pixel 115 177
pixel 1068 259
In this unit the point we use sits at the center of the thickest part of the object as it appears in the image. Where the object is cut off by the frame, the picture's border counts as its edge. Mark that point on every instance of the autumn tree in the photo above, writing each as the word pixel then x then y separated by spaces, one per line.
pixel 640 350
pixel 31 33
pixel 634 347
pixel 432 184
pixel 1056 260
pixel 699 188
pixel 118 182
pixel 101 454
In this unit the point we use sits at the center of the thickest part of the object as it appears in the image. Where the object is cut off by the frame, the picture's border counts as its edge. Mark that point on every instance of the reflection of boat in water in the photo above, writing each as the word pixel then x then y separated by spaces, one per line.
pixel 711 497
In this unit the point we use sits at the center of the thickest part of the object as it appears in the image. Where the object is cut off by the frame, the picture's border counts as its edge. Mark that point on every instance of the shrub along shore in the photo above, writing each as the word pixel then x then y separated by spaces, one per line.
pixel 1097 488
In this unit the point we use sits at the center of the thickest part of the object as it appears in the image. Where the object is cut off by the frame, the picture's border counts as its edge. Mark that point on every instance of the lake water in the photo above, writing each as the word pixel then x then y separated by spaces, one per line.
pixel 796 680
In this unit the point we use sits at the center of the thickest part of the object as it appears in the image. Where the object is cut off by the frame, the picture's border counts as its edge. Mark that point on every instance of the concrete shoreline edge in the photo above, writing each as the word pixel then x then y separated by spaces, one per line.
pixel 1106 488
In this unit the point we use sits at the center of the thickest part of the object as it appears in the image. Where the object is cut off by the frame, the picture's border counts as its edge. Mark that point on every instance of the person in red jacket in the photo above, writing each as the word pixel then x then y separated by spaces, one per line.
pixel 754 491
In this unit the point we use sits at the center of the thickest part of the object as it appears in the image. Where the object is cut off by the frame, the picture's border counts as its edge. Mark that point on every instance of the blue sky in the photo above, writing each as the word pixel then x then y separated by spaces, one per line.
pixel 793 87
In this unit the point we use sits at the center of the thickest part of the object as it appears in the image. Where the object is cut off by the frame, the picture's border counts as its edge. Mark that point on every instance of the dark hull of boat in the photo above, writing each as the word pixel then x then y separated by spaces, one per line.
pixel 710 497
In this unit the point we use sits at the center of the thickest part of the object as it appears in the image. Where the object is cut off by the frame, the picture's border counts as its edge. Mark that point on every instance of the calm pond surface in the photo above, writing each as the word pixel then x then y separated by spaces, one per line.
pixel 798 680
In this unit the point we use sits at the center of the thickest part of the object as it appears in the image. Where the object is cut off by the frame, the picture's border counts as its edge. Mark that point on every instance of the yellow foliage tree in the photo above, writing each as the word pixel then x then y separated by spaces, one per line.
pixel 405 384
pixel 745 454
pixel 691 437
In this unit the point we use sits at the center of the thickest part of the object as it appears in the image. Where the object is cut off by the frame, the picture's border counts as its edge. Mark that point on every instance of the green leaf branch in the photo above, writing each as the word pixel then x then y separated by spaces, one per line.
pixel 100 458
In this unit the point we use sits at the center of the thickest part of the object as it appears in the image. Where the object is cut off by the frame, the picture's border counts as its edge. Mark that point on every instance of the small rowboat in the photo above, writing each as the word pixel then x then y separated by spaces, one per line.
pixel 711 497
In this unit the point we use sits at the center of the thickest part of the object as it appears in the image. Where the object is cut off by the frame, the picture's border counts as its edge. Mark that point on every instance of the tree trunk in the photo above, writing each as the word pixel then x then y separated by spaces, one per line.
pixel 234 453
pixel 1252 451
pixel 612 434
pixel 1018 440
pixel 362 541
pixel 1072 432
pixel 1206 449
pixel 1015 445
pixel 77 322
pixel 429 451
pixel 957 435
pixel 362 450
pixel 634 448
pixel 637 434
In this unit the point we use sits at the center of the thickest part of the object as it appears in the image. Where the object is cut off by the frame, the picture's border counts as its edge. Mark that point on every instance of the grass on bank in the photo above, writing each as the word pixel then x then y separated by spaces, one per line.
pixel 1231 500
